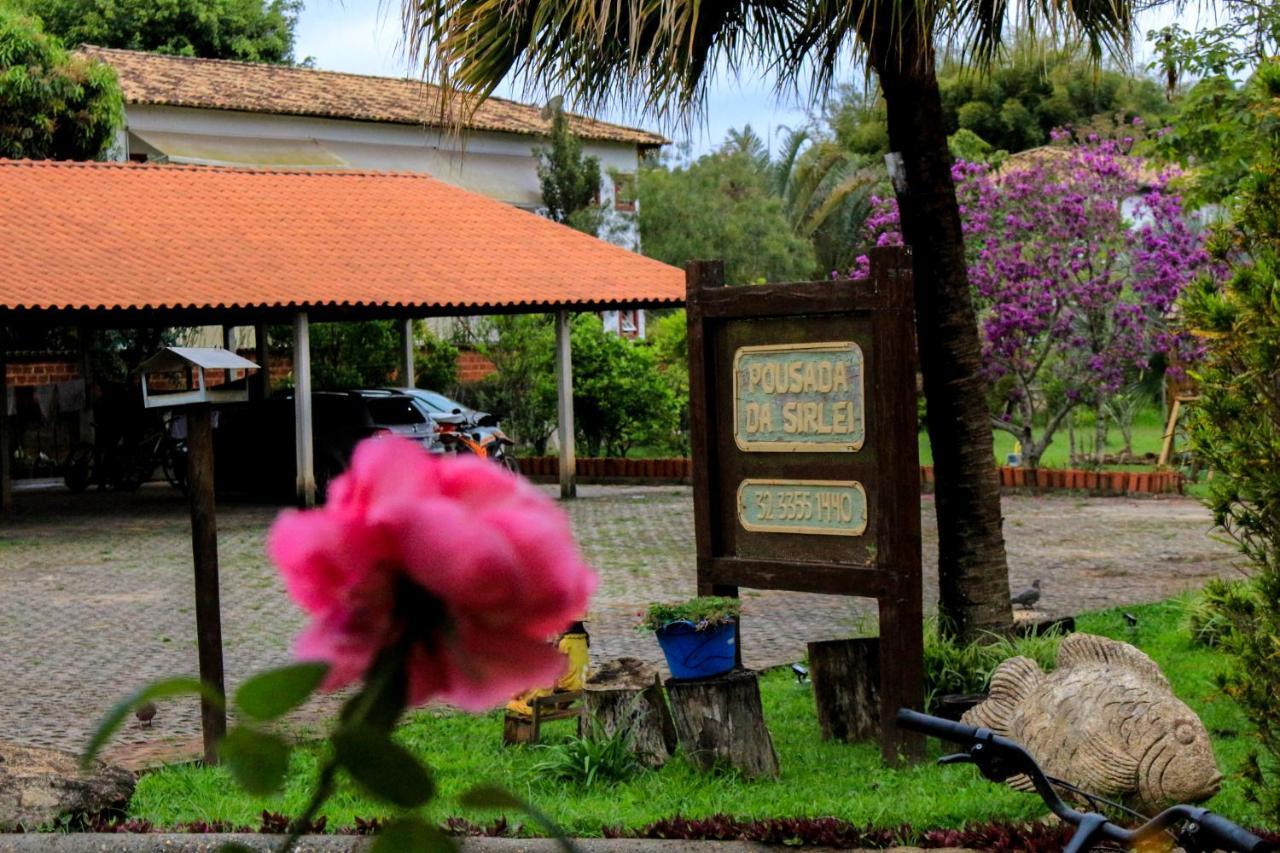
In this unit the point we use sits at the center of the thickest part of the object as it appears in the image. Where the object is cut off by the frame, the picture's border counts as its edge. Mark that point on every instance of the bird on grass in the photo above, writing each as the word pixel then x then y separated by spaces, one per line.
pixel 1130 620
pixel 146 713
pixel 1028 597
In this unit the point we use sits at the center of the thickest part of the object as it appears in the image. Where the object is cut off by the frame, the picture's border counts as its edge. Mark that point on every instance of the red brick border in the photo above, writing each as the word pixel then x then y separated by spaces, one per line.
pixel 1044 479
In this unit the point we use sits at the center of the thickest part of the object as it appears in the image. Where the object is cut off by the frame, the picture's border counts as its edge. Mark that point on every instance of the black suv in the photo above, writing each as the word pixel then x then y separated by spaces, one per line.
pixel 254 441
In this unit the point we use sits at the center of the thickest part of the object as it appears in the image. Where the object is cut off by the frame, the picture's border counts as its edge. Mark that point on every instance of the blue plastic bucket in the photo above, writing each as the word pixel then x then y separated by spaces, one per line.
pixel 692 653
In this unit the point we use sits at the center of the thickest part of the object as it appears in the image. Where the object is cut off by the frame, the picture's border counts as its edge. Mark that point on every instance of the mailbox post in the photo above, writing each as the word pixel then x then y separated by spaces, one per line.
pixel 195 402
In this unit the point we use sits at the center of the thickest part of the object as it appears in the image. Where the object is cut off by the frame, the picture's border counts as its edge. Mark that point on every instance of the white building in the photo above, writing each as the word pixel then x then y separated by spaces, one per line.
pixel 225 113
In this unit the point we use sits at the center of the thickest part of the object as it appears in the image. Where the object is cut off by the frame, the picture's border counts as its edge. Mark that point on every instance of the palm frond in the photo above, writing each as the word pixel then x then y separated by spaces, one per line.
pixel 658 56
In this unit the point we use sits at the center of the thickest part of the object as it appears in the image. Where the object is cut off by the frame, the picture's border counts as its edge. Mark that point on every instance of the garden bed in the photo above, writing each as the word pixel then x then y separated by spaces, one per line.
pixel 818 779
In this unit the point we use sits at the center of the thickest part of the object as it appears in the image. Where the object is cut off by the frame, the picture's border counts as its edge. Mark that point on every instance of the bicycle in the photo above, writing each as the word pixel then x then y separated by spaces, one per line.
pixel 126 465
pixel 998 758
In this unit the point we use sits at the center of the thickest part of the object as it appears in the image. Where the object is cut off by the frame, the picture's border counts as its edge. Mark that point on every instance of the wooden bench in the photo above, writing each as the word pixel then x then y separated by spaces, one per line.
pixel 560 705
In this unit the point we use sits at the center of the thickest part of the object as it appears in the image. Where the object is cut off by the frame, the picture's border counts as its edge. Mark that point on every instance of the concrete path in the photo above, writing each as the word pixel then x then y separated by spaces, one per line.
pixel 96 592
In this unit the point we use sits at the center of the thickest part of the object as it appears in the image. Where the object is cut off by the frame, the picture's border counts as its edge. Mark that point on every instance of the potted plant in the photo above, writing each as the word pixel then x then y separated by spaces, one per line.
pixel 699 637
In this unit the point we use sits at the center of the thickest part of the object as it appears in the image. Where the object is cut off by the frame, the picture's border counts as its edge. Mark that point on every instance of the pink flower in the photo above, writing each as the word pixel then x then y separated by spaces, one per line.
pixel 475 567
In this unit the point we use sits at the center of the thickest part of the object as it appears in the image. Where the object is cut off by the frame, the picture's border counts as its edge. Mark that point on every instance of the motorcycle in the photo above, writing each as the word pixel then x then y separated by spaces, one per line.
pixel 490 443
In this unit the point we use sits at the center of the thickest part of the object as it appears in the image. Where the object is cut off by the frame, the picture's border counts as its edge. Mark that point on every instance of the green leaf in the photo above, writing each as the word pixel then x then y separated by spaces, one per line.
pixel 490 796
pixel 412 835
pixel 156 690
pixel 271 694
pixel 386 769
pixel 257 759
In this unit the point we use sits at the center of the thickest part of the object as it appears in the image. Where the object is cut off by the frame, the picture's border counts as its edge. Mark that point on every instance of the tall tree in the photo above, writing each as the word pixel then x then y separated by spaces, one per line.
pixel 53 106
pixel 252 30
pixel 663 55
pixel 570 178
pixel 722 205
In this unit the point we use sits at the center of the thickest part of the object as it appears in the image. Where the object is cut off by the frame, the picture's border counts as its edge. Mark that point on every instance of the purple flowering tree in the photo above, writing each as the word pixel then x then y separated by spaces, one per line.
pixel 1076 257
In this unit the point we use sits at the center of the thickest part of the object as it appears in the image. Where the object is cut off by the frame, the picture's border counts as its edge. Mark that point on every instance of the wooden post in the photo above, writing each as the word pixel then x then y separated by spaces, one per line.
pixel 721 719
pixel 260 387
pixel 846 687
pixel 897 524
pixel 86 374
pixel 303 438
pixel 625 695
pixel 6 457
pixel 700 275
pixel 564 407
pixel 204 549
pixel 406 353
pixel 1166 447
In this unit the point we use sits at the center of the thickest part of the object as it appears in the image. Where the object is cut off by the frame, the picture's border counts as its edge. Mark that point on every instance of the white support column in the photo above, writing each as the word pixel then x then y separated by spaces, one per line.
pixel 564 407
pixel 262 379
pixel 303 441
pixel 406 353
pixel 229 343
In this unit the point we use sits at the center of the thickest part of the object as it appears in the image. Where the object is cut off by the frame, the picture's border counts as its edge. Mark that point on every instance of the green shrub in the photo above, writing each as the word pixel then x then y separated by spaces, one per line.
pixel 705 612
pixel 1213 611
pixel 435 363
pixel 951 667
pixel 620 398
pixel 1234 425
pixel 590 760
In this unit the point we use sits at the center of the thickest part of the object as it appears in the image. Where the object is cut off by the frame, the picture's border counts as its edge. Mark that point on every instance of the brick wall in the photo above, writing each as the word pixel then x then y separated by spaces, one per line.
pixel 472 366
pixel 26 374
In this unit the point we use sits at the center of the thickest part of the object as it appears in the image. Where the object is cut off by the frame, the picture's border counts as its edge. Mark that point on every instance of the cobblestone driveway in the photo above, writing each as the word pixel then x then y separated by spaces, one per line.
pixel 96 592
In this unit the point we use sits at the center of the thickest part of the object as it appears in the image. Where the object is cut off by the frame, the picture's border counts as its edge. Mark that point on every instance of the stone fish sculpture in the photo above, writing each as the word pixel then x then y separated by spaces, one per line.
pixel 1105 720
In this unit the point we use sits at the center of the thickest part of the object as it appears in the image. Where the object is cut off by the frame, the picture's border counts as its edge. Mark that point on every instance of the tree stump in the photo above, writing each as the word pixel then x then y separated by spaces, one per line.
pixel 846 687
pixel 721 720
pixel 625 695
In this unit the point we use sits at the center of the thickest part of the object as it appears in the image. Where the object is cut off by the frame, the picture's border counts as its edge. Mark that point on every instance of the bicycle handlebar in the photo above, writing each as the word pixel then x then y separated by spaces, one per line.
pixel 1228 834
pixel 999 758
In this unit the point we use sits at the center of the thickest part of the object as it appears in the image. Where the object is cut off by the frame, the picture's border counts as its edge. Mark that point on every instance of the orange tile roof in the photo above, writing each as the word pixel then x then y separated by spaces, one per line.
pixel 218 84
pixel 137 236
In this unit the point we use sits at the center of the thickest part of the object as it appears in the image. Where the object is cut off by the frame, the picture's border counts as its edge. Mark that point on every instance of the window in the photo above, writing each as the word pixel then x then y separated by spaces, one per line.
pixel 624 193
pixel 394 411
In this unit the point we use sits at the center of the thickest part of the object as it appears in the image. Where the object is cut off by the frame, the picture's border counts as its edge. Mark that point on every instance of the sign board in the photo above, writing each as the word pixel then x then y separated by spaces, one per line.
pixel 801 397
pixel 806 468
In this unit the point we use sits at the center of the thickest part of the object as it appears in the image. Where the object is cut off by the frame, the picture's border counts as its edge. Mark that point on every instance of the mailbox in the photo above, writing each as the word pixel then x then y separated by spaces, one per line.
pixel 193 363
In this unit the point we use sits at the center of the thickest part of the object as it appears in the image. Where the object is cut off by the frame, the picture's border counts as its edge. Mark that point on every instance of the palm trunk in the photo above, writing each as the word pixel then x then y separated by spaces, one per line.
pixel 973 573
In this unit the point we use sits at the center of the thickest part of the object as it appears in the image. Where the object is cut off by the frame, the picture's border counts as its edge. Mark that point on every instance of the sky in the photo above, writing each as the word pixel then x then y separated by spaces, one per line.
pixel 363 37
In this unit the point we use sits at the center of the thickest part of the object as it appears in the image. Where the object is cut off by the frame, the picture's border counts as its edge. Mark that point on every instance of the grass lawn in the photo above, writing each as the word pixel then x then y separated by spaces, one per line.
pixel 818 779
pixel 1148 435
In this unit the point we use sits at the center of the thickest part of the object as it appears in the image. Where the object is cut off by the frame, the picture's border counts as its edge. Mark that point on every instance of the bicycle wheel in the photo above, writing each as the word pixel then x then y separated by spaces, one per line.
pixel 135 468
pixel 173 460
pixel 77 469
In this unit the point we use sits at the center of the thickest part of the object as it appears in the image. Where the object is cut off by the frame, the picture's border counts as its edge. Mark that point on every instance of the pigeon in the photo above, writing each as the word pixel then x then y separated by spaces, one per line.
pixel 146 713
pixel 1028 597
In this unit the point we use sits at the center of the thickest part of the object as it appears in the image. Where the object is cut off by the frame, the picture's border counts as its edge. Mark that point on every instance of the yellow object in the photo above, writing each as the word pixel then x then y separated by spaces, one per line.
pixel 574 646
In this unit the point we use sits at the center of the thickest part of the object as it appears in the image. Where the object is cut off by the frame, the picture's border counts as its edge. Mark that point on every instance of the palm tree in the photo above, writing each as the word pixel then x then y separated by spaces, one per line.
pixel 826 190
pixel 661 54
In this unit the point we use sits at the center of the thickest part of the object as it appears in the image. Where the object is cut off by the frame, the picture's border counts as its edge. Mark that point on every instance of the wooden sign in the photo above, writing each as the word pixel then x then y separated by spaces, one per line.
pixel 805 460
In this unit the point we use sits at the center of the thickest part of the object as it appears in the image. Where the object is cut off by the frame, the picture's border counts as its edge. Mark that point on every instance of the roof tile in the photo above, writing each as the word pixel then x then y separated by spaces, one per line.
pixel 128 235
pixel 219 84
